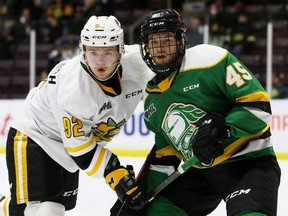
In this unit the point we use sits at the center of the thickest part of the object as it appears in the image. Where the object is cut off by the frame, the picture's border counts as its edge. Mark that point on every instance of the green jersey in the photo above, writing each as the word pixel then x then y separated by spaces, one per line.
pixel 210 80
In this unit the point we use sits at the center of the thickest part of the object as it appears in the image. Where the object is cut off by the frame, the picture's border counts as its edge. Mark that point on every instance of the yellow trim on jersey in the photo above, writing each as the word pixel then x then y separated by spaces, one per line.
pixel 98 162
pixel 20 157
pixel 81 147
pixel 254 97
pixel 111 89
pixel 167 151
pixel 144 153
pixel 107 89
pixel 234 147
pixel 6 205
pixel 163 85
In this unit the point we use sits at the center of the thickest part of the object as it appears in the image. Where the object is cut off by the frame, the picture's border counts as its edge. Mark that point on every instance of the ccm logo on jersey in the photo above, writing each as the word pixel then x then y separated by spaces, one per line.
pixel 191 87
pixel 237 193
pixel 134 93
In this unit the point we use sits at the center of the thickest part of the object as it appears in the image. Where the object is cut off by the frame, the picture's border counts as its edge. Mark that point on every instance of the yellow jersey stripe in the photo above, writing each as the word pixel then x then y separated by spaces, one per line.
pixel 254 97
pixel 98 162
pixel 81 147
pixel 20 157
pixel 234 147
pixel 107 89
pixel 167 151
pixel 6 206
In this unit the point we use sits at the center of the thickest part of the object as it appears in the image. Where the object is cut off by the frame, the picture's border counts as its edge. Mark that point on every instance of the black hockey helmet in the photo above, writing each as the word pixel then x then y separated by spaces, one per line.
pixel 166 20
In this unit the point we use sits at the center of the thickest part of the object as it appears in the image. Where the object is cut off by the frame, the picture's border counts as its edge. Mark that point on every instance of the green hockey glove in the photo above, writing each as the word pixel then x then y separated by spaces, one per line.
pixel 206 144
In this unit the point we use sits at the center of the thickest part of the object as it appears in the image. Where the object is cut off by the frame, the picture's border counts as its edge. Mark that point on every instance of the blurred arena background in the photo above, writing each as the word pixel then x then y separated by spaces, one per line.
pixel 36 34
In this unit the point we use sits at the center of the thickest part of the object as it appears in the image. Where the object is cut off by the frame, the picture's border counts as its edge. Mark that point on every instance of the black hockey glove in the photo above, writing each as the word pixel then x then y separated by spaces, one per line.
pixel 206 144
pixel 126 187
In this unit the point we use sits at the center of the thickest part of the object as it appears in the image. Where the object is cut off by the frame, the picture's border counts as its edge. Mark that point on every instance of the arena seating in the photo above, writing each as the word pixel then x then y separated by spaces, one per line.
pixel 14 73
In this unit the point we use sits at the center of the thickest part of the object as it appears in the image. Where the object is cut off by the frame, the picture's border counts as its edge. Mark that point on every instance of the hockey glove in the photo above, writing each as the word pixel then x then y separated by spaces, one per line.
pixel 126 187
pixel 206 144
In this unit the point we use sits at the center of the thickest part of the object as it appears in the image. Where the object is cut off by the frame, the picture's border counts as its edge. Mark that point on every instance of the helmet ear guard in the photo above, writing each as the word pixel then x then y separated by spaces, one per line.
pixel 166 20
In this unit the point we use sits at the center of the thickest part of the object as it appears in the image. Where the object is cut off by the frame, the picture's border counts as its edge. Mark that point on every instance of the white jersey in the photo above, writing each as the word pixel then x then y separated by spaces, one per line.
pixel 69 115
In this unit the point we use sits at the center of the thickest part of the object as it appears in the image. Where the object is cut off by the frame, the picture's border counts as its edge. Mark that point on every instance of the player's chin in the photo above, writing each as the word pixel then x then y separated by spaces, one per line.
pixel 100 75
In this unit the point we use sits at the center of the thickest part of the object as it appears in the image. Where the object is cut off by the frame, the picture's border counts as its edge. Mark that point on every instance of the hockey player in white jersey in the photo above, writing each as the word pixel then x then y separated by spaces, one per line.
pixel 69 118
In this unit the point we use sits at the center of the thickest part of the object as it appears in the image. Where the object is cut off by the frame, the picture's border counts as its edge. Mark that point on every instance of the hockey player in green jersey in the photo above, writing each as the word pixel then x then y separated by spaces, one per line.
pixel 204 102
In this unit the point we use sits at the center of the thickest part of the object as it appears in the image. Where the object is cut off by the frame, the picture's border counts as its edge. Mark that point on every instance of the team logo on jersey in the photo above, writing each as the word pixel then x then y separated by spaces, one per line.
pixel 105 131
pixel 179 125
pixel 149 111
pixel 105 106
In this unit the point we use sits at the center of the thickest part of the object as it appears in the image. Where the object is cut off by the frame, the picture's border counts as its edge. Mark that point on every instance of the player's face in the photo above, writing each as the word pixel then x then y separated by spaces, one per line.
pixel 163 47
pixel 102 60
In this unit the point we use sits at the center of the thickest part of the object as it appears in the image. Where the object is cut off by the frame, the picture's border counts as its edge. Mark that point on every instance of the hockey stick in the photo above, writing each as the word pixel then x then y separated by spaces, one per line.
pixel 183 168
pixel 140 175
pixel 150 196
pixel 146 164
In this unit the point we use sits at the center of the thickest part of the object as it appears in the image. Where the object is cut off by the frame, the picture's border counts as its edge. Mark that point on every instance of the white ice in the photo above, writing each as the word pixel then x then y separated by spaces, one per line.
pixel 95 198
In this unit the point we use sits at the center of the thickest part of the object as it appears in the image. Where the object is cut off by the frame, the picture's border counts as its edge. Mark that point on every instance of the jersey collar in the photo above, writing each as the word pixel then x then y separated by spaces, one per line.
pixel 156 86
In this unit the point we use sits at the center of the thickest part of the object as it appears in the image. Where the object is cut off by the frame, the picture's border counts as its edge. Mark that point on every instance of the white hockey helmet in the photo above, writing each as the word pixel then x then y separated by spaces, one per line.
pixel 102 31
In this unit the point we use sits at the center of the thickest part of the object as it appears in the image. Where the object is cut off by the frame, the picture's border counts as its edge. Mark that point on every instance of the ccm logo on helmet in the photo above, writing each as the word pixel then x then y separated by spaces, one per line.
pixel 156 24
pixel 99 37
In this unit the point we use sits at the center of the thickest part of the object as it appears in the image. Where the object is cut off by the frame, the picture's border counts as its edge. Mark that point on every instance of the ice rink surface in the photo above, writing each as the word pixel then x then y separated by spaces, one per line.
pixel 95 198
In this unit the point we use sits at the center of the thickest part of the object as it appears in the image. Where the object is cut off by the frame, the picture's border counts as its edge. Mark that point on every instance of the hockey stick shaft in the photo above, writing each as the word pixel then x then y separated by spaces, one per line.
pixel 150 196
pixel 146 164
pixel 140 175
pixel 183 168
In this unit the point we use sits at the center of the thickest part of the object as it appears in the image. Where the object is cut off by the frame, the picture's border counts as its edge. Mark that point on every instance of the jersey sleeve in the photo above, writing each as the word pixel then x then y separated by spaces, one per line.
pixel 81 144
pixel 250 113
pixel 251 101
pixel 74 106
